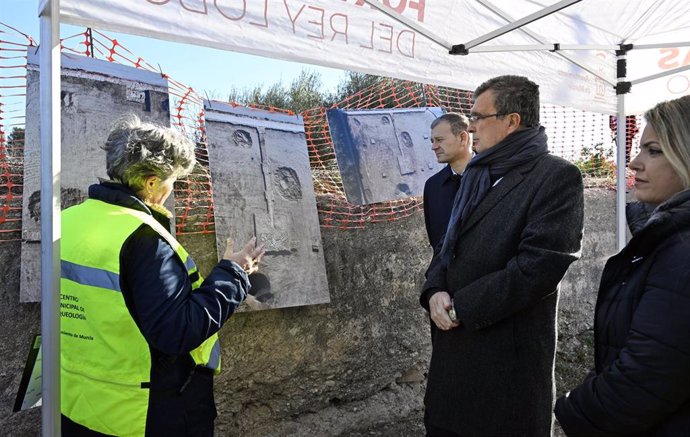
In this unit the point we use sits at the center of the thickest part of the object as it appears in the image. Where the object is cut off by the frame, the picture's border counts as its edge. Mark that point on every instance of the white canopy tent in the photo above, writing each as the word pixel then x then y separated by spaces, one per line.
pixel 577 50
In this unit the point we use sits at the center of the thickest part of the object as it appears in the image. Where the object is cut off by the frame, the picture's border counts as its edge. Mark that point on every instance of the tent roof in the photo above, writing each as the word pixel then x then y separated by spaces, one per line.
pixel 356 36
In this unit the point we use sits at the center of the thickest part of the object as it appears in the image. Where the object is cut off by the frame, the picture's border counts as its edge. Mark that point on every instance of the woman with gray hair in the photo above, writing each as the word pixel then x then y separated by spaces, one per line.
pixel 641 381
pixel 139 344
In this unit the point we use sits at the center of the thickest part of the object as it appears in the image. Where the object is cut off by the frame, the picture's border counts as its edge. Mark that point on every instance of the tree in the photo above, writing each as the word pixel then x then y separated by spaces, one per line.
pixel 303 93
pixel 353 83
pixel 15 143
pixel 16 138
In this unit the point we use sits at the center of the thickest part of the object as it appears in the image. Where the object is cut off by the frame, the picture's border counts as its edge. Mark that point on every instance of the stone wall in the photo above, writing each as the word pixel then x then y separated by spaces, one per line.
pixel 354 367
pixel 575 356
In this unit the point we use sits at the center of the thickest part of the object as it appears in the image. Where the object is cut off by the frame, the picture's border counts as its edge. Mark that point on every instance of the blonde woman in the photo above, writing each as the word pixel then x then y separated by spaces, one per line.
pixel 641 381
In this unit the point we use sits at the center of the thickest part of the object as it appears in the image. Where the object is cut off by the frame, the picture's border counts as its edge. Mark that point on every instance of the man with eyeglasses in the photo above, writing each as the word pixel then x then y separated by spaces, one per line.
pixel 492 289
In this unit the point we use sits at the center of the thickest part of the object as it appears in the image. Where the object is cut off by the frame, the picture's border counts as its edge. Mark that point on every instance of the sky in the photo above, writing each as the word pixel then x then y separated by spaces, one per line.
pixel 210 71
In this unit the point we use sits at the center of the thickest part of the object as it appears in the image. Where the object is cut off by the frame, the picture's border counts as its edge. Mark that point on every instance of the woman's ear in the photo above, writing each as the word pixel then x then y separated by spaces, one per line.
pixel 150 182
pixel 150 185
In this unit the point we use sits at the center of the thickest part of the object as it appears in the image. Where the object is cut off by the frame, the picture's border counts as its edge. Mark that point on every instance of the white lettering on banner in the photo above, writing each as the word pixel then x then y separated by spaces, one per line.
pixel 314 22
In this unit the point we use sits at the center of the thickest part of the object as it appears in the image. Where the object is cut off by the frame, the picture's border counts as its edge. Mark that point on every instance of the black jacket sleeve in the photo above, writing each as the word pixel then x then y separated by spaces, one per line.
pixel 158 293
pixel 435 273
pixel 650 379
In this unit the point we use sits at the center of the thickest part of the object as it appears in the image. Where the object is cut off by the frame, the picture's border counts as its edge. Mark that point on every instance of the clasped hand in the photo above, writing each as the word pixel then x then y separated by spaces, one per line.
pixel 248 258
pixel 439 305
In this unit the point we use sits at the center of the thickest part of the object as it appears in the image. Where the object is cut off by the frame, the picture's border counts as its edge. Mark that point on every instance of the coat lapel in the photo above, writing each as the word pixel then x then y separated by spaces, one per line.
pixel 495 194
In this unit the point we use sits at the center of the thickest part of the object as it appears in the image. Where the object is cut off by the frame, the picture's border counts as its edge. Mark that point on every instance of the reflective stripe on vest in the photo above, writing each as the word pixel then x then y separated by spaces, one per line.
pixel 105 361
pixel 92 276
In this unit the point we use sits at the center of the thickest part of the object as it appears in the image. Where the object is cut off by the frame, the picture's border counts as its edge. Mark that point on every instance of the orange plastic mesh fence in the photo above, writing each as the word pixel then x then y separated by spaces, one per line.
pixel 582 137
pixel 13 48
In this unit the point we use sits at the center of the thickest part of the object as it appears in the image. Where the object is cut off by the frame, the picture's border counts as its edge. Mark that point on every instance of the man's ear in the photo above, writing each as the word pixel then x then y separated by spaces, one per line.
pixel 514 121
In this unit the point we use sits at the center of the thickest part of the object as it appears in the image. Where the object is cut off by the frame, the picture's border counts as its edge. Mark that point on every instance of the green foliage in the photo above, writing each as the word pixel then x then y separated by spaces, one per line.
pixel 303 93
pixel 353 83
pixel 14 143
pixel 16 137
pixel 597 161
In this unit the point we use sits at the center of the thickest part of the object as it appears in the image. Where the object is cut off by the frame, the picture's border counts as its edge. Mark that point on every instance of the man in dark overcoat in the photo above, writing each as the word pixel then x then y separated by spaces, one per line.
pixel 492 289
pixel 451 143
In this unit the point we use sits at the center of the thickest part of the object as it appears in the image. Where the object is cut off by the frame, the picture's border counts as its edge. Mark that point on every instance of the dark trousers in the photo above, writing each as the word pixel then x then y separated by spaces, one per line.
pixel 432 431
pixel 187 414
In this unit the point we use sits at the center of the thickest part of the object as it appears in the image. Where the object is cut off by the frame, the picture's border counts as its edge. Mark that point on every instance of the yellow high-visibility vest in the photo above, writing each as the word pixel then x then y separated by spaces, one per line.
pixel 105 360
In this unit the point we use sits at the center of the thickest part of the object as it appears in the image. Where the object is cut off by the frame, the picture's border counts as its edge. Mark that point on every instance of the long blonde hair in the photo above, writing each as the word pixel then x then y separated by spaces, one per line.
pixel 671 123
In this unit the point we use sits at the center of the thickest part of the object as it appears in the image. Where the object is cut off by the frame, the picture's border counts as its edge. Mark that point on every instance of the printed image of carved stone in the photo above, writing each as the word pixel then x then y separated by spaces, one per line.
pixel 383 154
pixel 94 94
pixel 287 183
pixel 262 186
pixel 68 197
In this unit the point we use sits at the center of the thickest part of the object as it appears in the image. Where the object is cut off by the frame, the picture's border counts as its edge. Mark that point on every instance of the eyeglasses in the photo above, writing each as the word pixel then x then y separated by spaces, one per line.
pixel 473 118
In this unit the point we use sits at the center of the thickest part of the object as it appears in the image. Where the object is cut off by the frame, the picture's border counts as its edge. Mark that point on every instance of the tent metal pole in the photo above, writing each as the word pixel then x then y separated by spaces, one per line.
pixel 519 23
pixel 658 75
pixel 668 45
pixel 504 15
pixel 49 55
pixel 621 89
pixel 557 47
pixel 512 48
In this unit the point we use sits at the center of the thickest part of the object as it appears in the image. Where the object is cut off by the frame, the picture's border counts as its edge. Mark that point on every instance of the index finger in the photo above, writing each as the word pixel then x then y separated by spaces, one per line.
pixel 258 253
pixel 250 245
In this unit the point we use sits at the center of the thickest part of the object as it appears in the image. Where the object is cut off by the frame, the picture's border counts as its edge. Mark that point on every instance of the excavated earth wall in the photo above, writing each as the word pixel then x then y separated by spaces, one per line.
pixel 354 367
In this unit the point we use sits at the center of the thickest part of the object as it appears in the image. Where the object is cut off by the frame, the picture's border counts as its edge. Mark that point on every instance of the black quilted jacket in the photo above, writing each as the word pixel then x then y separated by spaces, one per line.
pixel 641 381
